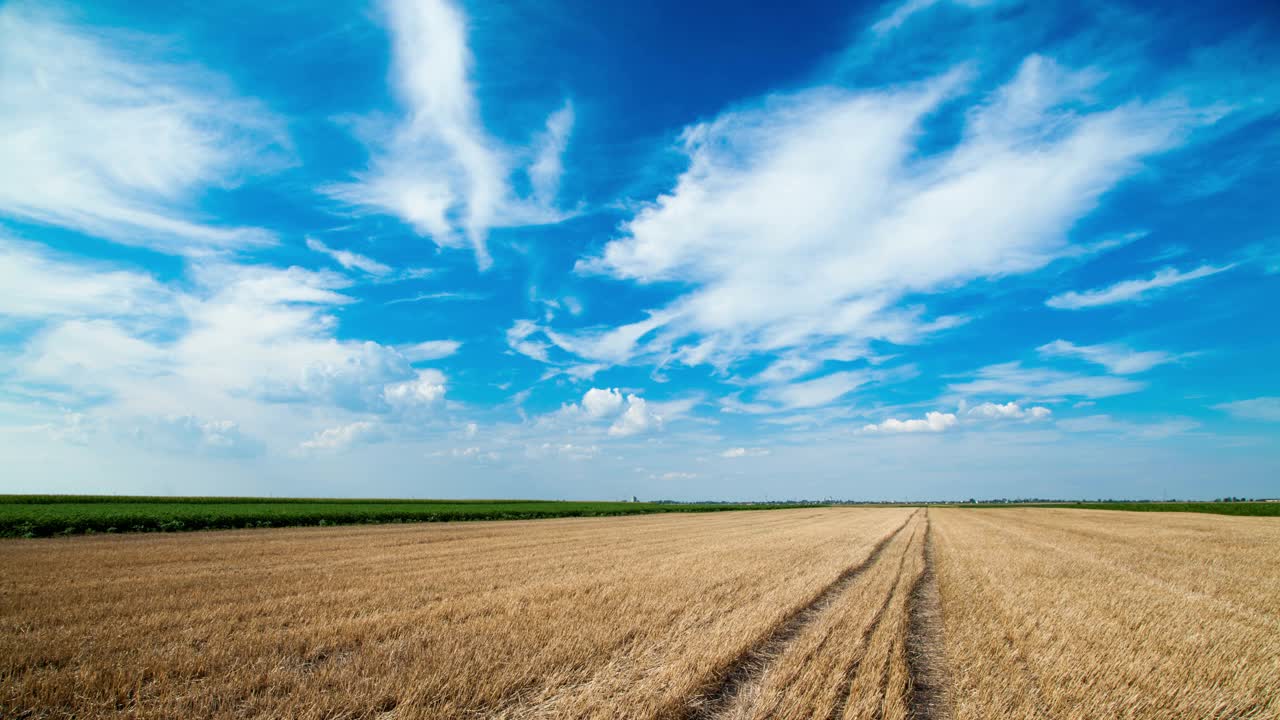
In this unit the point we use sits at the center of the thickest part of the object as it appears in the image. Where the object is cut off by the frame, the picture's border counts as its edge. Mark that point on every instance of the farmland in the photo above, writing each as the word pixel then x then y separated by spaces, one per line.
pixel 47 515
pixel 817 612
pixel 1254 508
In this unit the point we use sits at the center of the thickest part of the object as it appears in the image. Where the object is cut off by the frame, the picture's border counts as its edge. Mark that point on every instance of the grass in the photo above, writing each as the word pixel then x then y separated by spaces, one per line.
pixel 49 515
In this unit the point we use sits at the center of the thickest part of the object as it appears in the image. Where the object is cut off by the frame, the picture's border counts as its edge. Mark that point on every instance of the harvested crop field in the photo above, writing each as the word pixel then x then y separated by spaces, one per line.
pixel 828 613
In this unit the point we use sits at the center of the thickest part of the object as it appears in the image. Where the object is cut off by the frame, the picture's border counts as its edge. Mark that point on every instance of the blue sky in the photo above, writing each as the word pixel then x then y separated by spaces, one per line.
pixel 928 249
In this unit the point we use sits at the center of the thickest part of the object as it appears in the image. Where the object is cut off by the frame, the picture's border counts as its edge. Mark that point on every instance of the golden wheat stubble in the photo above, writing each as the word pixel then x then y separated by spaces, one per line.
pixel 1100 614
pixel 848 661
pixel 614 617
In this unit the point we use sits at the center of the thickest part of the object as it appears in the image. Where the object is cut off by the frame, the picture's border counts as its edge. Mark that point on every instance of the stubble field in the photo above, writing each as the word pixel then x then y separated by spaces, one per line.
pixel 808 613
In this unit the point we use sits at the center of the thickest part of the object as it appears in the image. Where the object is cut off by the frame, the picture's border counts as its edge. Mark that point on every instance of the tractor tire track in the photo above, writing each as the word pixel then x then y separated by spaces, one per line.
pixel 752 664
pixel 838 711
pixel 926 659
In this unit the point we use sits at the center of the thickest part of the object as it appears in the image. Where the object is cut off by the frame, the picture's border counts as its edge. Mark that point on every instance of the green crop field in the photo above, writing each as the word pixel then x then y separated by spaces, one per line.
pixel 48 515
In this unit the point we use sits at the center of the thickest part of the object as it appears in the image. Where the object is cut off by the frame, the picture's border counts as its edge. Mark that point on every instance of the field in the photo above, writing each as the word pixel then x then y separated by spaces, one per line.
pixel 1256 508
pixel 47 515
pixel 846 613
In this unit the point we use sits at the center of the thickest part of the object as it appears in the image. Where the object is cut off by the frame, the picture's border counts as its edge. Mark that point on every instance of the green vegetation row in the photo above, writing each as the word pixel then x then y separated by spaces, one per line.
pixel 1267 509
pixel 45 515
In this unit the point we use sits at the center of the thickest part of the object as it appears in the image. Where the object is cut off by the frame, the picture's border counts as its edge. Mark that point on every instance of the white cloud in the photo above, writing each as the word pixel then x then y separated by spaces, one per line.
pixel 1116 358
pixel 1012 379
pixel 600 403
pixel 1266 409
pixel 436 167
pixel 637 418
pixel 673 475
pixel 36 283
pixel 816 392
pixel 805 219
pixel 348 259
pixel 545 172
pixel 425 389
pixel 249 345
pixel 343 436
pixel 518 340
pixel 628 414
pixel 931 422
pixel 567 450
pixel 1109 425
pixel 1131 290
pixel 738 452
pixel 473 453
pixel 429 350
pixel 905 10
pixel 186 434
pixel 450 295
pixel 1009 410
pixel 101 134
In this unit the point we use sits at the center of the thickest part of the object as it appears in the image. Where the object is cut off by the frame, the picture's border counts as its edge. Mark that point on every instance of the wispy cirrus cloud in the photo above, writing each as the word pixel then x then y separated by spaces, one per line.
pixel 1132 290
pixel 436 167
pixel 805 219
pixel 429 350
pixel 104 134
pixel 1013 379
pixel 1115 357
pixel 349 260
pixel 1266 409
pixel 40 284
pixel 904 11
pixel 1106 424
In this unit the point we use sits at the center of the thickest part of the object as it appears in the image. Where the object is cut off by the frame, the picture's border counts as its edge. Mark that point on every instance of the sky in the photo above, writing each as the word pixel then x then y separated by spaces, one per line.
pixel 932 249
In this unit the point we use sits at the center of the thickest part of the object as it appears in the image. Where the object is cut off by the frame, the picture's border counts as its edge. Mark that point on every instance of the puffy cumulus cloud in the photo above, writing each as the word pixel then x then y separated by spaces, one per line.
pixel 806 219
pixel 1116 358
pixel 566 450
pixel 1132 290
pixel 602 402
pixel 1009 410
pixel 971 417
pixel 636 419
pixel 427 388
pixel 252 345
pixel 1266 409
pixel 104 135
pixel 436 167
pixel 1012 379
pixel 187 434
pixel 343 436
pixel 627 413
pixel 739 452
pixel 349 260
pixel 931 422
